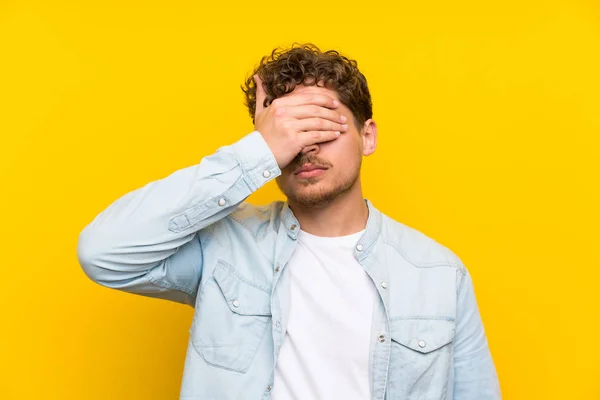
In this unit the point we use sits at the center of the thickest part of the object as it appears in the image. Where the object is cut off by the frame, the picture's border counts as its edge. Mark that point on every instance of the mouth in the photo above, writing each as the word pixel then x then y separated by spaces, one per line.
pixel 310 171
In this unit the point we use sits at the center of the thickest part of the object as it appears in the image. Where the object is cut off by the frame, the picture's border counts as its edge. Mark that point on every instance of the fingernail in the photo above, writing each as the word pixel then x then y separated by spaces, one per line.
pixel 344 126
pixel 335 103
pixel 337 133
pixel 343 118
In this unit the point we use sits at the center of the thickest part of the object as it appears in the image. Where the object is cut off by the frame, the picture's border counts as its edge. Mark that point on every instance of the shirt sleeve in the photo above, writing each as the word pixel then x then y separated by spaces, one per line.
pixel 147 241
pixel 475 376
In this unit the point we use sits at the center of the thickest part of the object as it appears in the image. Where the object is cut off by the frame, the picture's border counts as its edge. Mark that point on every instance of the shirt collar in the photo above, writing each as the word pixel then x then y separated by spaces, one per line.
pixel 366 242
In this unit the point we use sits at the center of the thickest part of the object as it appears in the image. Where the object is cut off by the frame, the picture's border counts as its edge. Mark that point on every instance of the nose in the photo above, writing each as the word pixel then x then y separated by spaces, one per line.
pixel 313 148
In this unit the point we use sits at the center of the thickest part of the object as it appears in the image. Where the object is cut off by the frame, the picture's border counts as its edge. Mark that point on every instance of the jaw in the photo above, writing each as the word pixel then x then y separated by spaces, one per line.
pixel 316 192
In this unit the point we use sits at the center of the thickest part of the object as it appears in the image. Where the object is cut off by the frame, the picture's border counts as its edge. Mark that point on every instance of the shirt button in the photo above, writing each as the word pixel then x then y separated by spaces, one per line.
pixel 293 227
pixel 269 388
pixel 221 202
pixel 384 284
pixel 277 268
pixel 267 174
pixel 236 303
pixel 422 343
pixel 359 247
pixel 381 338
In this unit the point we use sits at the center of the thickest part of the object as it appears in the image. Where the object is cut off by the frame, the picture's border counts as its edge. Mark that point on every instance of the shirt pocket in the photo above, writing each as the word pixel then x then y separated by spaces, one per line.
pixel 231 318
pixel 421 357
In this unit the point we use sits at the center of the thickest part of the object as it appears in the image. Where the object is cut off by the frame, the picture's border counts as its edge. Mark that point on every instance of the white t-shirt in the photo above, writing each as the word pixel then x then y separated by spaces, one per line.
pixel 325 351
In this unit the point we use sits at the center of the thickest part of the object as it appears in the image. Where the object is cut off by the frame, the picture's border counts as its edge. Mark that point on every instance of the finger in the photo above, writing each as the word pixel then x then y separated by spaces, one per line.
pixel 318 124
pixel 260 95
pixel 313 137
pixel 311 111
pixel 308 98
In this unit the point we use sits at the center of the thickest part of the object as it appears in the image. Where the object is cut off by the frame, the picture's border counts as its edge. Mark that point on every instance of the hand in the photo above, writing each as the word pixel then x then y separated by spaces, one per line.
pixel 295 121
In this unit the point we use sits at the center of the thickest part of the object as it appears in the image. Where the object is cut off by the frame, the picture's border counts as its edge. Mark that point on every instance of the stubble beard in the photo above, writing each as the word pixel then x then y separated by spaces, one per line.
pixel 320 198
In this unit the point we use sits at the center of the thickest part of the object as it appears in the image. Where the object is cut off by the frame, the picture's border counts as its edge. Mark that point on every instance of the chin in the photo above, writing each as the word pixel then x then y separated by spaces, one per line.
pixel 315 192
pixel 311 196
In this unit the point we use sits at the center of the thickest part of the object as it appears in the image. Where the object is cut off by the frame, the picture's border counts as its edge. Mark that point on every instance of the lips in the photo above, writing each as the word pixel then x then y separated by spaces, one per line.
pixel 308 168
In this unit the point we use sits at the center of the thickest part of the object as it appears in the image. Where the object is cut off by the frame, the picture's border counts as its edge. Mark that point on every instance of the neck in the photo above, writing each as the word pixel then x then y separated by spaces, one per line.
pixel 345 215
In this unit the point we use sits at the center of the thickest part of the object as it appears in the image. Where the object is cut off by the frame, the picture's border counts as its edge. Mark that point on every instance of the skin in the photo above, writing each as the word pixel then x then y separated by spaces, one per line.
pixel 327 202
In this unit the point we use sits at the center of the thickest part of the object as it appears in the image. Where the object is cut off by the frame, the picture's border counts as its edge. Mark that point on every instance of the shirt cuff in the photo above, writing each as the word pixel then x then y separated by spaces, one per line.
pixel 256 159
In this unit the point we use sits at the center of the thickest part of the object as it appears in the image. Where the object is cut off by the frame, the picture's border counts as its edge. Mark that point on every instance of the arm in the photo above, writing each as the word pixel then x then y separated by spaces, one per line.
pixel 146 242
pixel 475 375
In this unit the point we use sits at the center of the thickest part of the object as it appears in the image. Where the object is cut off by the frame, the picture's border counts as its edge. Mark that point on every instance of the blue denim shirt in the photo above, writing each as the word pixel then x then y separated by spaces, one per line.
pixel 191 238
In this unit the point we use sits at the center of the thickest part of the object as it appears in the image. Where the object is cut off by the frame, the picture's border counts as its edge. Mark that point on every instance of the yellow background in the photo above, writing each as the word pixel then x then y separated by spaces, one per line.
pixel 488 117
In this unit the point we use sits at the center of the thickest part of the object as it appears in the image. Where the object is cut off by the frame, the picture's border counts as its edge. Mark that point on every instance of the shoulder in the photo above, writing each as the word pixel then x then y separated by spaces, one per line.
pixel 247 211
pixel 258 218
pixel 417 248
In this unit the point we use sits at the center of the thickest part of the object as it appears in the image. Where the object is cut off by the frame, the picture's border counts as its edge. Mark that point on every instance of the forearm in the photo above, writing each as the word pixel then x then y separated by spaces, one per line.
pixel 143 228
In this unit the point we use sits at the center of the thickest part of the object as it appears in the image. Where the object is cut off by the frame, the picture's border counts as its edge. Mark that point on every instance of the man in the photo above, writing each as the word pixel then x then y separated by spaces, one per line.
pixel 320 297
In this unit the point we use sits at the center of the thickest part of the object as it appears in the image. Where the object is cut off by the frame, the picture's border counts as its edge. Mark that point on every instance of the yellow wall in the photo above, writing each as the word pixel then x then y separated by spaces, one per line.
pixel 488 117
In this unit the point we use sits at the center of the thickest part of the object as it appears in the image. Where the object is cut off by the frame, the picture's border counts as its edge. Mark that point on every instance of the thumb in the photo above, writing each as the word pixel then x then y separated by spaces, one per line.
pixel 260 96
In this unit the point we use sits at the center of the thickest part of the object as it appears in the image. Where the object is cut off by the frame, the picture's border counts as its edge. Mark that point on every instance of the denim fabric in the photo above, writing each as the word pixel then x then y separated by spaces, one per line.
pixel 191 238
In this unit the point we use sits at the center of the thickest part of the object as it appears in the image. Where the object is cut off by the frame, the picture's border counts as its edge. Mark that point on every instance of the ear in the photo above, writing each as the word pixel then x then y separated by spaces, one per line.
pixel 369 137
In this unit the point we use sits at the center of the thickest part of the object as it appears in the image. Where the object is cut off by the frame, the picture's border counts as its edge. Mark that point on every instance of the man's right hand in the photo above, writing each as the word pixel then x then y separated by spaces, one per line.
pixel 295 121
